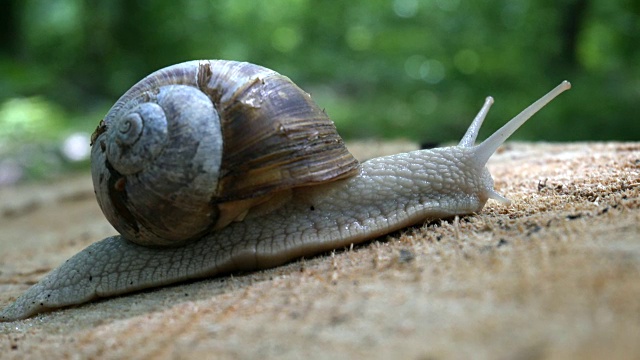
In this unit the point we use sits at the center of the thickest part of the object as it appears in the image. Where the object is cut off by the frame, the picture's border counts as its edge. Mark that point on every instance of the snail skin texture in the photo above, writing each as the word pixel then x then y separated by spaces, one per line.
pixel 236 134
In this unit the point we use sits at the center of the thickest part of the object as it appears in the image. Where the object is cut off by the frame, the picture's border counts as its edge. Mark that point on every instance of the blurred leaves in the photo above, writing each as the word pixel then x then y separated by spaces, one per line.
pixel 30 120
pixel 418 69
pixel 30 137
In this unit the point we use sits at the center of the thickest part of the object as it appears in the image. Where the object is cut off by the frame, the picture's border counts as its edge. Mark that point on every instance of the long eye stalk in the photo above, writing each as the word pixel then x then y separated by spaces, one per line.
pixel 490 145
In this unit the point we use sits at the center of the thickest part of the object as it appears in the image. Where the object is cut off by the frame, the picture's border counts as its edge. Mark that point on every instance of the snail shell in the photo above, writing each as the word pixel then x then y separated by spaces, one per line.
pixel 195 146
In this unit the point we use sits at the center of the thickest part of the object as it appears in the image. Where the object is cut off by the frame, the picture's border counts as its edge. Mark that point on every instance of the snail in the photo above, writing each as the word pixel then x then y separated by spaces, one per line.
pixel 208 167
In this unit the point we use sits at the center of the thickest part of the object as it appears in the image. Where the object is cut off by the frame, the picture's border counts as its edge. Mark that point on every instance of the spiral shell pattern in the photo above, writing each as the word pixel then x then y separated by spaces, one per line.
pixel 197 145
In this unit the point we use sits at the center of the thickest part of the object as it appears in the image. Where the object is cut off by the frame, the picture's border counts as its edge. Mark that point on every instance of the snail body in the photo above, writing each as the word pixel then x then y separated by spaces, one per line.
pixel 253 221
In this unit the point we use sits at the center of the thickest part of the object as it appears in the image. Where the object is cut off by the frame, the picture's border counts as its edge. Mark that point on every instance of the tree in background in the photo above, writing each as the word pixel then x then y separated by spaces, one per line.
pixel 417 69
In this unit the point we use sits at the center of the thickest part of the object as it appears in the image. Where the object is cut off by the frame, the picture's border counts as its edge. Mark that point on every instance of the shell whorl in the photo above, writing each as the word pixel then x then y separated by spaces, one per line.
pixel 147 121
pixel 196 145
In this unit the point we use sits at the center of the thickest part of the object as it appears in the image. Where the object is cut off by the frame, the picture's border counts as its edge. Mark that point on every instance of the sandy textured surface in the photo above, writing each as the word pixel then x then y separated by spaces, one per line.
pixel 554 275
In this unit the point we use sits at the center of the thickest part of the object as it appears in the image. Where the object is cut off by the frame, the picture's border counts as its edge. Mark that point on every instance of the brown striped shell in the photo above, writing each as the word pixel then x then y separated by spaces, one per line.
pixel 197 145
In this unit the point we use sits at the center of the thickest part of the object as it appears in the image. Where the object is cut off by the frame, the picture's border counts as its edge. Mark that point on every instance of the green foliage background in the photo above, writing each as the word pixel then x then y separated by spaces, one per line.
pixel 417 69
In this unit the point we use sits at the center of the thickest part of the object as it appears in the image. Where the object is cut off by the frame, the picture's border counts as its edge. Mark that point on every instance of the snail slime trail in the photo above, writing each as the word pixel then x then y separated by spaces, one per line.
pixel 208 167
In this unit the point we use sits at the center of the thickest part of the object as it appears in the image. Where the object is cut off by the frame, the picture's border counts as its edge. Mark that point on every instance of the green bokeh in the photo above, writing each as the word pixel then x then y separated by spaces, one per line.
pixel 416 69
